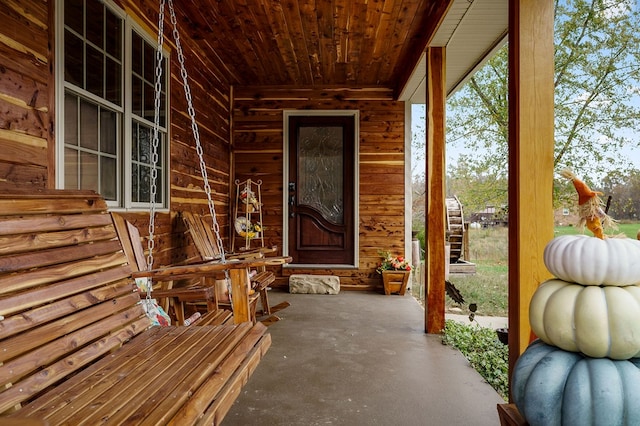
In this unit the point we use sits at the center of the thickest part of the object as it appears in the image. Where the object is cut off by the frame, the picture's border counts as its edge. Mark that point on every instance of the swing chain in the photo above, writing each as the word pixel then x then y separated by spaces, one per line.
pixel 154 148
pixel 194 129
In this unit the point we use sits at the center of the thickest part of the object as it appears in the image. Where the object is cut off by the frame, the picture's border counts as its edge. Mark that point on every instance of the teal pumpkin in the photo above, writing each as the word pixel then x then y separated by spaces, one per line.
pixel 551 386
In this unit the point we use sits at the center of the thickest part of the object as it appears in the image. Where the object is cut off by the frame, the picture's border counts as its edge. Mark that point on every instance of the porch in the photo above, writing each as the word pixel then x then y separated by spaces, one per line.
pixel 360 358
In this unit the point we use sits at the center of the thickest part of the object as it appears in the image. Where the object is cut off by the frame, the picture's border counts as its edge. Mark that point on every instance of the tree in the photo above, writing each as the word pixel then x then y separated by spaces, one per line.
pixel 476 188
pixel 597 71
pixel 623 189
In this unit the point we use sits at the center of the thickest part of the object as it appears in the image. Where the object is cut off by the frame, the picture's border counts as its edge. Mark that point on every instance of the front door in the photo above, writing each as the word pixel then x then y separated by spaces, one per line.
pixel 321 189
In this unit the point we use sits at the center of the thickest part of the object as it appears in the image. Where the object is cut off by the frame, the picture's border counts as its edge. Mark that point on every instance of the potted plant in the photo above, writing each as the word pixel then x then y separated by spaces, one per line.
pixel 395 271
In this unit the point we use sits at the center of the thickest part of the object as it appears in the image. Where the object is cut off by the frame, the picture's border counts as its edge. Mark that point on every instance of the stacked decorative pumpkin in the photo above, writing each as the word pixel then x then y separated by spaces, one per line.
pixel 585 367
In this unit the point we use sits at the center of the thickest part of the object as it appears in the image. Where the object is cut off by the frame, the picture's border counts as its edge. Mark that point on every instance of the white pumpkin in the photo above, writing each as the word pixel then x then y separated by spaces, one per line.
pixel 592 261
pixel 597 321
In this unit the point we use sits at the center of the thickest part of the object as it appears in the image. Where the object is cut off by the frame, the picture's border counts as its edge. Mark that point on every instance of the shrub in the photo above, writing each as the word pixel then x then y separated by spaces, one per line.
pixel 486 354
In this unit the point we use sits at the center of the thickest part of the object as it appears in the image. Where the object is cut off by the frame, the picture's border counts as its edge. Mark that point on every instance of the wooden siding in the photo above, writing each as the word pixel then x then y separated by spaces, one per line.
pixel 258 153
pixel 26 104
pixel 27 157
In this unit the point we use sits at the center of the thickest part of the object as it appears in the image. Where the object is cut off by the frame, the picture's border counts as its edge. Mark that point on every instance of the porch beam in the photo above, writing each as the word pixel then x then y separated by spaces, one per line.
pixel 531 145
pixel 435 189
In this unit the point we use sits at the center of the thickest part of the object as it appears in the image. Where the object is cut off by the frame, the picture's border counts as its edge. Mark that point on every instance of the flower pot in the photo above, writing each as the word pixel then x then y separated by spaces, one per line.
pixel 503 335
pixel 395 281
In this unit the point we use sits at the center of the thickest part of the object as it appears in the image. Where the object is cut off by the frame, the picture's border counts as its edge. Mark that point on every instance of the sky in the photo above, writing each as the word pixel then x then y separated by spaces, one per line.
pixel 453 151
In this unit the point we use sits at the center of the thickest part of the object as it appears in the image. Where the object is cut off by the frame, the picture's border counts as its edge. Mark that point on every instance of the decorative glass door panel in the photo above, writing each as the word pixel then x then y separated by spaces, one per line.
pixel 321 152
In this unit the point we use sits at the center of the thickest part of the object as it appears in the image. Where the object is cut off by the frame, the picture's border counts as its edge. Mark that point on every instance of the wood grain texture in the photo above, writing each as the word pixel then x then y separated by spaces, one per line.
pixel 340 54
pixel 531 129
pixel 381 167
pixel 76 342
pixel 435 199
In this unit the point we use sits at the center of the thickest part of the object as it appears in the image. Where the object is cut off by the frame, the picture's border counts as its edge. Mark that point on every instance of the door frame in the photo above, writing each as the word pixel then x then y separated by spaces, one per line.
pixel 356 184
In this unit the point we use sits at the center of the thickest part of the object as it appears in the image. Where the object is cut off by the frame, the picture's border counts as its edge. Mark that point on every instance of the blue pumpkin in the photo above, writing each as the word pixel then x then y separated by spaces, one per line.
pixel 551 386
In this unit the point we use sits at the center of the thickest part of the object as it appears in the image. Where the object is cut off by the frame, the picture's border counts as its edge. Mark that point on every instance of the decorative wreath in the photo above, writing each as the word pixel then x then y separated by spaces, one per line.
pixel 245 228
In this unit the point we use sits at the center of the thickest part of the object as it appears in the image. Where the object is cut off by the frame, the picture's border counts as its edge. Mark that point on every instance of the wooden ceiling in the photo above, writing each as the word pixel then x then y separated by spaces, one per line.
pixel 312 43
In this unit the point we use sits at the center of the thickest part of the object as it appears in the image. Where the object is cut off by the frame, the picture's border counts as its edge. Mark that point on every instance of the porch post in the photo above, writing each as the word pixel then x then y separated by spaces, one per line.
pixel 531 144
pixel 435 184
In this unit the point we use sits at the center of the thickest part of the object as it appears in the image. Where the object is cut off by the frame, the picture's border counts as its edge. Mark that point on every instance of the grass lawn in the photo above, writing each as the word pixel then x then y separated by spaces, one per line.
pixel 488 249
pixel 628 229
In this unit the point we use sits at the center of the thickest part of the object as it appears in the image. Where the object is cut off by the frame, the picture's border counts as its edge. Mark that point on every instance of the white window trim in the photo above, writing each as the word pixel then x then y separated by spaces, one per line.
pixel 124 166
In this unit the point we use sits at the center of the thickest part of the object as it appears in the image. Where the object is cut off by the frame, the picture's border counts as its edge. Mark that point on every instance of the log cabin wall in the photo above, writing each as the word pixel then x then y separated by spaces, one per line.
pixel 27 99
pixel 258 153
pixel 27 92
pixel 26 96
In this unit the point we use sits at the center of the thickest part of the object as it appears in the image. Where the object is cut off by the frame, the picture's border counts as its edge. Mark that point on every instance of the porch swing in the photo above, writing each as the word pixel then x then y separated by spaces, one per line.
pixel 236 272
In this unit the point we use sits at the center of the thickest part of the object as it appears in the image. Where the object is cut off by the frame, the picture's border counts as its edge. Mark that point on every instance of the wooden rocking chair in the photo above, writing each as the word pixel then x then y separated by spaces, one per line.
pixel 205 242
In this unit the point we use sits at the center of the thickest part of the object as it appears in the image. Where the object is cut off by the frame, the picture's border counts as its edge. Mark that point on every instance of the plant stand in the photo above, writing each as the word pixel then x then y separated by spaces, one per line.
pixel 248 215
pixel 395 281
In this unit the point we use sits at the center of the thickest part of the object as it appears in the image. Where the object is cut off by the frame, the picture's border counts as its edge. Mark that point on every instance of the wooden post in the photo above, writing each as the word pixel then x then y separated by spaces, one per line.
pixel 531 143
pixel 465 242
pixel 435 180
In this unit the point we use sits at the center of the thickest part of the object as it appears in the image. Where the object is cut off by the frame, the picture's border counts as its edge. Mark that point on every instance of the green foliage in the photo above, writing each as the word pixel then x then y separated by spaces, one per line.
pixel 597 52
pixel 623 187
pixel 476 184
pixel 487 288
pixel 486 354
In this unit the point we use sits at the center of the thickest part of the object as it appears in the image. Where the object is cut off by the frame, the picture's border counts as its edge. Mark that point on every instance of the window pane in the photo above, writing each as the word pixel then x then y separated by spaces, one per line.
pixel 320 170
pixel 136 96
pixel 136 54
pixel 73 15
pixel 95 71
pixel 71 169
pixel 73 59
pixel 70 119
pixel 134 183
pixel 89 171
pixel 95 23
pixel 141 154
pixel 113 80
pixel 149 103
pixel 108 132
pixel 144 145
pixel 149 62
pixel 144 182
pixel 134 142
pixel 108 170
pixel 89 125
pixel 113 42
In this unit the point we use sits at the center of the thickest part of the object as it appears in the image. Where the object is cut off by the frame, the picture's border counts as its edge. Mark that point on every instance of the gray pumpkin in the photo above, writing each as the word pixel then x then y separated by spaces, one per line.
pixel 551 386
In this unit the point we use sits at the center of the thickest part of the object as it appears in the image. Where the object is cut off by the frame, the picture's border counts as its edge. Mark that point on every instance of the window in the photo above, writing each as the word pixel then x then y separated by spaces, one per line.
pixel 106 117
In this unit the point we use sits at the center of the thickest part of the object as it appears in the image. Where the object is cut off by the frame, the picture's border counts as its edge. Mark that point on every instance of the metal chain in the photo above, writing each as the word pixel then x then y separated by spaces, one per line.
pixel 196 135
pixel 154 148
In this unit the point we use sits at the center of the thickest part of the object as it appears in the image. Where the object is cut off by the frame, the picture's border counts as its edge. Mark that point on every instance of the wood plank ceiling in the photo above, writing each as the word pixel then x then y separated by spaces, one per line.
pixel 312 43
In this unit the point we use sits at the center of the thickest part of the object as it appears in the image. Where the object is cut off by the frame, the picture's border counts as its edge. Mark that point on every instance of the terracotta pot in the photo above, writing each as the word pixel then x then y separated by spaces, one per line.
pixel 395 281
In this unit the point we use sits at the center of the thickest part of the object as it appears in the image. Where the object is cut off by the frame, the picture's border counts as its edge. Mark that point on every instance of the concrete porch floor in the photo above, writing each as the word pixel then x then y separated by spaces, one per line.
pixel 360 358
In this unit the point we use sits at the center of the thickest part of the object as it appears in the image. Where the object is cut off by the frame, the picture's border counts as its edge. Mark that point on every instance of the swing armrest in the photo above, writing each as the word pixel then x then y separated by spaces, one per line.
pixel 210 268
pixel 187 294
